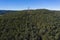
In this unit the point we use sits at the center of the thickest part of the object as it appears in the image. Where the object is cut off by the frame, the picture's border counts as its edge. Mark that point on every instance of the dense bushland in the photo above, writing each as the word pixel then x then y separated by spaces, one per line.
pixel 30 25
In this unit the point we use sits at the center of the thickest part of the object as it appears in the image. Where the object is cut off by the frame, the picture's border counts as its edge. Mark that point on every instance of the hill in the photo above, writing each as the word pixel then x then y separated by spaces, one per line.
pixel 40 24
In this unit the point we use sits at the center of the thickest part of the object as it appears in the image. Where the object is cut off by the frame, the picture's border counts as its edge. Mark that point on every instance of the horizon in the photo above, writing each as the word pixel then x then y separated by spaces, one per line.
pixel 31 4
pixel 30 9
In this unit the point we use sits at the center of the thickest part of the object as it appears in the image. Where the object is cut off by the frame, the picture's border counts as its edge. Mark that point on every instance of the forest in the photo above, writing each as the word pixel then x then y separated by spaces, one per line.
pixel 39 24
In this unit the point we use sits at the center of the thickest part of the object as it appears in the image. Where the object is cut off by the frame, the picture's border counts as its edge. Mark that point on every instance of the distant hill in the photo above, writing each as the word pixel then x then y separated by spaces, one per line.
pixel 2 11
pixel 5 11
pixel 40 24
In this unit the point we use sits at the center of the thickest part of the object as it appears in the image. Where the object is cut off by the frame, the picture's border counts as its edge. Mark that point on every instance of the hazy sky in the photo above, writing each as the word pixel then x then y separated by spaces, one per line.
pixel 32 4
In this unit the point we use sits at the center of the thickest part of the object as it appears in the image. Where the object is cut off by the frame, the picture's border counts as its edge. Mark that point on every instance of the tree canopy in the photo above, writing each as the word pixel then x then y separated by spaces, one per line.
pixel 30 25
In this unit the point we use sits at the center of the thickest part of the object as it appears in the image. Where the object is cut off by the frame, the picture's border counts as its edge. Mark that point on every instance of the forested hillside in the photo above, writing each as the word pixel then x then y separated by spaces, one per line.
pixel 39 24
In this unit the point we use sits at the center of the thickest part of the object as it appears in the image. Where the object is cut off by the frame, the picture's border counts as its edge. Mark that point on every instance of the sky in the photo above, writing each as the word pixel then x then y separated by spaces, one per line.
pixel 31 4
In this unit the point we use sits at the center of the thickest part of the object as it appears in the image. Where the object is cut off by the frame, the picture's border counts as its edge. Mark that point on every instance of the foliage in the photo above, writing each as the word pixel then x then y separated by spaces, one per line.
pixel 30 25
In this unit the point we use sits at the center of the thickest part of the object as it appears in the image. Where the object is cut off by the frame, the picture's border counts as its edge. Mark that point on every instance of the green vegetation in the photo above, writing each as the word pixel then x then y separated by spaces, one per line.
pixel 30 25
